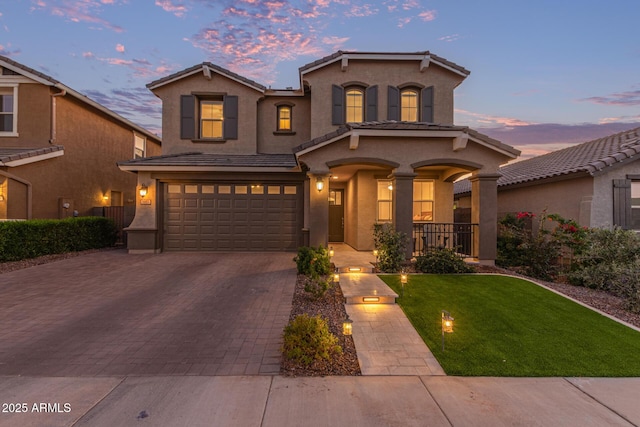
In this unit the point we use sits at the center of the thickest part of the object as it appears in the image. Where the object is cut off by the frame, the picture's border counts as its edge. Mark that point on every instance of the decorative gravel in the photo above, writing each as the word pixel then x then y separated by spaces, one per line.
pixel 331 308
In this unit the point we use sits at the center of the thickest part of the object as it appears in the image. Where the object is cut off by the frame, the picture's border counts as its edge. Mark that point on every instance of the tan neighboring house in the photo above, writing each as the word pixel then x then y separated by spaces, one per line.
pixel 58 149
pixel 367 138
pixel 596 183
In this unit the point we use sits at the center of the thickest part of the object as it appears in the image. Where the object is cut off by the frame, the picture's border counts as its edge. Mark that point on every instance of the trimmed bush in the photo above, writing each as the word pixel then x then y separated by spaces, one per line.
pixel 313 262
pixel 441 261
pixel 391 246
pixel 307 339
pixel 29 239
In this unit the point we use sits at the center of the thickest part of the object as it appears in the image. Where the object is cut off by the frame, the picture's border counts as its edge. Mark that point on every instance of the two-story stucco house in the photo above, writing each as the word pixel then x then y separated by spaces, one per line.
pixel 59 149
pixel 367 138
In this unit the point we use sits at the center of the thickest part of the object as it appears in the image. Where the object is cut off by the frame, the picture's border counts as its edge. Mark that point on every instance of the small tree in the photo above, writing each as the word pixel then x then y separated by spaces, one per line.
pixel 391 245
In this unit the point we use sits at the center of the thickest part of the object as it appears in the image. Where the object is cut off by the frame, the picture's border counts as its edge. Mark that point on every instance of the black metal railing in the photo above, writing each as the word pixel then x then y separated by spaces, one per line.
pixel 434 235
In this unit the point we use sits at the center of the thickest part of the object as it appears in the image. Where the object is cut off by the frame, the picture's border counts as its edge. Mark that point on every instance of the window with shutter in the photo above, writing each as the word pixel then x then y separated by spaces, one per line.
pixel 337 105
pixel 208 117
pixel 622 203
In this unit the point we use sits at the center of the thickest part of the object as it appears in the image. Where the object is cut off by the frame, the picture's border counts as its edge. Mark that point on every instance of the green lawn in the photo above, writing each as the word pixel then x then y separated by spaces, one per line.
pixel 506 326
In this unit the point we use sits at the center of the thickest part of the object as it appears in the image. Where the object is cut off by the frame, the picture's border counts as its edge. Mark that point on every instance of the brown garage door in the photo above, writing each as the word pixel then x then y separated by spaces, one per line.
pixel 232 217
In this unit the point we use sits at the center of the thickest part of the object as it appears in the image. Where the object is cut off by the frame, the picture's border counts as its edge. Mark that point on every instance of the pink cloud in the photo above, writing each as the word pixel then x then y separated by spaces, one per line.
pixel 120 48
pixel 178 10
pixel 427 15
pixel 451 38
pixel 86 11
pixel 486 119
pixel 629 98
pixel 141 68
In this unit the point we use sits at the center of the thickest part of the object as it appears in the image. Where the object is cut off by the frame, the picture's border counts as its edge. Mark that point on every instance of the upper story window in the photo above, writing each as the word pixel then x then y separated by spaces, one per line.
pixel 410 103
pixel 8 111
pixel 354 104
pixel 208 117
pixel 211 117
pixel 284 118
pixel 139 146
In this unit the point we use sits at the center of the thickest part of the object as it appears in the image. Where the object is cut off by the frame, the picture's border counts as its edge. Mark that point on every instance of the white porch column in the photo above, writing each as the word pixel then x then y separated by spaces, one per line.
pixel 484 212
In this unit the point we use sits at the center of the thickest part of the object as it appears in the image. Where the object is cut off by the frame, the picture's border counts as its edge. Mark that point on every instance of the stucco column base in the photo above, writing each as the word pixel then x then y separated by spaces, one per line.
pixel 403 207
pixel 142 241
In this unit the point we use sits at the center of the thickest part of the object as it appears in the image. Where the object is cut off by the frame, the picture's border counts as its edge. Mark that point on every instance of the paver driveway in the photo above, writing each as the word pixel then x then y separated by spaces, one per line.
pixel 112 313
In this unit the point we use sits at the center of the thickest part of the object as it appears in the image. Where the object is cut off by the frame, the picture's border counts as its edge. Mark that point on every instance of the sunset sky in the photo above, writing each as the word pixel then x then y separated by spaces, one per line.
pixel 544 73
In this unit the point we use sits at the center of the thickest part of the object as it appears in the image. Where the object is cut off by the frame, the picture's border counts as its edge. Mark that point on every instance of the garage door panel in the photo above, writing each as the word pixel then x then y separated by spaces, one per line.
pixel 228 217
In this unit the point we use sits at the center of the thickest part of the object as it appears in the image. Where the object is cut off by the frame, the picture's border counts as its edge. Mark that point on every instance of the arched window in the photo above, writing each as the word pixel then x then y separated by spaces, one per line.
pixel 409 102
pixel 354 101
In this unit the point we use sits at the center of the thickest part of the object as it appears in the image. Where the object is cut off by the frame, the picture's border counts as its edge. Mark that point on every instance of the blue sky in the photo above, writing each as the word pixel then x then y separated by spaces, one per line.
pixel 544 74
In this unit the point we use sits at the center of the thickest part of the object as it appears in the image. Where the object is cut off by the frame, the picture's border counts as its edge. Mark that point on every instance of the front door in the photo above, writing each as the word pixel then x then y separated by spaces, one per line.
pixel 336 215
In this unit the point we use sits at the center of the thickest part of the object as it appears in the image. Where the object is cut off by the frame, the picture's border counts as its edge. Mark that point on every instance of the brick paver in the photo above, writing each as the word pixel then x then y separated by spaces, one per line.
pixel 112 313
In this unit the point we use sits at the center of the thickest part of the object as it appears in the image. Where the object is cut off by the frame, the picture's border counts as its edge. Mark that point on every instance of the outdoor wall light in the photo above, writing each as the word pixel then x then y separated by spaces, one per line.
pixel 447 324
pixel 347 326
pixel 143 190
pixel 319 184
pixel 390 187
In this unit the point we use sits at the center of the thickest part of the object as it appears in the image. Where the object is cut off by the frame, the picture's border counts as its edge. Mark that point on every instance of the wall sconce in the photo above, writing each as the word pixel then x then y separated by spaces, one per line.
pixel 390 187
pixel 319 184
pixel 105 197
pixel 347 326
pixel 143 190
pixel 447 324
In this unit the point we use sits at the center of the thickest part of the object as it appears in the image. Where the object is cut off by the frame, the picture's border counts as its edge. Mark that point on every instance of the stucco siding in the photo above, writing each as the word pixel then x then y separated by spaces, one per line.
pixel 602 204
pixel 34 118
pixel 272 142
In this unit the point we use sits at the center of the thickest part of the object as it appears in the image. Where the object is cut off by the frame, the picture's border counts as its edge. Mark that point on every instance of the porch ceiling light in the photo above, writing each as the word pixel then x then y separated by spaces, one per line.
pixel 143 190
pixel 319 184
pixel 347 326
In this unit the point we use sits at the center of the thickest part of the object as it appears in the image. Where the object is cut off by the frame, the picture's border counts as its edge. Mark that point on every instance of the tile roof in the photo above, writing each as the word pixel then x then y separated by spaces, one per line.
pixel 230 160
pixel 198 67
pixel 403 126
pixel 12 154
pixel 590 157
pixel 388 55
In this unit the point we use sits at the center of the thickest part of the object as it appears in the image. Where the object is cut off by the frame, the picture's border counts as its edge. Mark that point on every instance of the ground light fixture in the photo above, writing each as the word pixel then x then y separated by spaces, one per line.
pixel 336 277
pixel 347 326
pixel 447 324
pixel 404 279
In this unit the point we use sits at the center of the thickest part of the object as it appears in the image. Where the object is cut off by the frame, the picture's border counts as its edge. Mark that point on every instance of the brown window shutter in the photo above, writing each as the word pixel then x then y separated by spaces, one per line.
pixel 337 105
pixel 427 104
pixel 187 117
pixel 230 111
pixel 371 111
pixel 622 203
pixel 393 103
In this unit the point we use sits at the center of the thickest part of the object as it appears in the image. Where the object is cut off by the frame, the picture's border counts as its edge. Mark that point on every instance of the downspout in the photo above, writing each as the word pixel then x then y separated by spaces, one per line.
pixel 62 92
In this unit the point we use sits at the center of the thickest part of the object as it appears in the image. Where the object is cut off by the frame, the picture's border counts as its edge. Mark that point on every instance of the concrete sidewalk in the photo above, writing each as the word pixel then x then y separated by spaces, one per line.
pixel 268 401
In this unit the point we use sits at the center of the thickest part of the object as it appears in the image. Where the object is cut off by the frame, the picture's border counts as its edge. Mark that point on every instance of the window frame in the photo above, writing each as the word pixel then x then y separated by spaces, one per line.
pixel 383 201
pixel 415 108
pixel 213 100
pixel 349 109
pixel 10 90
pixel 418 217
pixel 280 107
pixel 137 152
pixel 635 204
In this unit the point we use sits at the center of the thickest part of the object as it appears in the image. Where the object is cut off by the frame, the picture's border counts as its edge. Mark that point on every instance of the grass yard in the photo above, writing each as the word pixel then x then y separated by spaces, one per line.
pixel 510 327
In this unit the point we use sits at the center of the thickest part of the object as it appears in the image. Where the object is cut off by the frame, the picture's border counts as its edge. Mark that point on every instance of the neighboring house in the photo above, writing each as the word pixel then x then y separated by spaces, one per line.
pixel 58 149
pixel 368 138
pixel 596 183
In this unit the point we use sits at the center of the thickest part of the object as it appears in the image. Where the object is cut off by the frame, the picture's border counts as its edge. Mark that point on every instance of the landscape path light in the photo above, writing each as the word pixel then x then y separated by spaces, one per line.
pixel 447 324
pixel 404 279
pixel 347 326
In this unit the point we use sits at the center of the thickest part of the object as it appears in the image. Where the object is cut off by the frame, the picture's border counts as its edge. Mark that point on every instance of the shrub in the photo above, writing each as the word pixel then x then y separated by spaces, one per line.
pixel 318 287
pixel 391 245
pixel 442 261
pixel 33 238
pixel 313 262
pixel 307 339
pixel 611 262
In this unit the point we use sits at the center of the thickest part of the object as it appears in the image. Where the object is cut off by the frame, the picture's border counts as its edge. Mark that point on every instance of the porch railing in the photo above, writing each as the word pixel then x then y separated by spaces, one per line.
pixel 433 235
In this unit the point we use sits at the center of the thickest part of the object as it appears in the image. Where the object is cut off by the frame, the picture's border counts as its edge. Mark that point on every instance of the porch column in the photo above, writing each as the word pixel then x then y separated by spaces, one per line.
pixel 319 208
pixel 484 212
pixel 142 233
pixel 403 206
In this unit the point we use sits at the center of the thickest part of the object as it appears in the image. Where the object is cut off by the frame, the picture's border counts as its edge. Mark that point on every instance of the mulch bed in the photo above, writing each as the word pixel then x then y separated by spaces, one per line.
pixel 331 308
